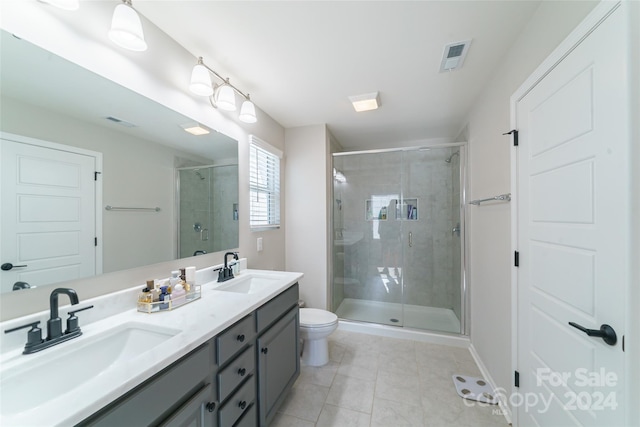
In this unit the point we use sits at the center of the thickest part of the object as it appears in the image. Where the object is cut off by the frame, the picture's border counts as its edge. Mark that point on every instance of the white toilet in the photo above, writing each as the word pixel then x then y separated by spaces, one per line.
pixel 315 327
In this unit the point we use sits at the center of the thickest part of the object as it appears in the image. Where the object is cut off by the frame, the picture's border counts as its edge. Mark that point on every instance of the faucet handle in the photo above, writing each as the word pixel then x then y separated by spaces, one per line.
pixel 72 321
pixel 34 336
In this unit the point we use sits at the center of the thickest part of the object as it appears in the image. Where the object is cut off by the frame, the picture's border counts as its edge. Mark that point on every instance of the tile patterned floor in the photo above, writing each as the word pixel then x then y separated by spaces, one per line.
pixel 384 382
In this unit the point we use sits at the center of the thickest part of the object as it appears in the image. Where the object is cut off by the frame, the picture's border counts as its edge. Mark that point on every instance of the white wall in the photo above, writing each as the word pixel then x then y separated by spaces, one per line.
pixel 489 174
pixel 308 163
pixel 162 74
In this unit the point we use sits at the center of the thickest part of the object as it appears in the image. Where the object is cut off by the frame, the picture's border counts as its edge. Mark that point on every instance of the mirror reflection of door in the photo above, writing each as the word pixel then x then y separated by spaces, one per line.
pixel 208 209
pixel 48 214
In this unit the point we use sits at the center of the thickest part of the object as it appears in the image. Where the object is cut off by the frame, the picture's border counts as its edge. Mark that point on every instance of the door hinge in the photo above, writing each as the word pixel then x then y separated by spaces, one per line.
pixel 516 378
pixel 95 241
pixel 516 259
pixel 95 175
pixel 515 136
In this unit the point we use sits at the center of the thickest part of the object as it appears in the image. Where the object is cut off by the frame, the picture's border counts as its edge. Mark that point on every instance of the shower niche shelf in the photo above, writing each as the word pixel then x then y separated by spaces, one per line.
pixel 407 210
pixel 378 210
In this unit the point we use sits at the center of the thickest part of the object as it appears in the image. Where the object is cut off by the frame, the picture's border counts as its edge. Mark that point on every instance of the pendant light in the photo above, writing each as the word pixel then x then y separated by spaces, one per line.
pixel 126 28
pixel 225 97
pixel 248 111
pixel 201 80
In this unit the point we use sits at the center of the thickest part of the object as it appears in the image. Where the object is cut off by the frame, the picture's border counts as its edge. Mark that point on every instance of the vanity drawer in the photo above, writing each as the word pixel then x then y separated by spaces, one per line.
pixel 242 400
pixel 234 339
pixel 241 368
pixel 249 418
pixel 274 309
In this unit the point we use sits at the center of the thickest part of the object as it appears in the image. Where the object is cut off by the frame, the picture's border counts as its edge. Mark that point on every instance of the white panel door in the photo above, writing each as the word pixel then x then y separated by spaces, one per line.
pixel 48 224
pixel 573 227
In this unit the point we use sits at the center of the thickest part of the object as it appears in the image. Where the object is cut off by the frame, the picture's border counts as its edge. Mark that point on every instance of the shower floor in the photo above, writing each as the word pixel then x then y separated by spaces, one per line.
pixel 415 316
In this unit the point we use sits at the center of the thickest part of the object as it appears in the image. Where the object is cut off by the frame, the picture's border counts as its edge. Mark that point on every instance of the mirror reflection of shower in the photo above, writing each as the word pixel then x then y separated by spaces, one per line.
pixel 207 209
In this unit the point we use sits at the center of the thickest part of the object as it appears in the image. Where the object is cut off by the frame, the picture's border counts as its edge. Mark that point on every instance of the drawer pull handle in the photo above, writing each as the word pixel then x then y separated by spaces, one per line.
pixel 211 406
pixel 242 371
pixel 242 404
pixel 240 338
pixel 264 350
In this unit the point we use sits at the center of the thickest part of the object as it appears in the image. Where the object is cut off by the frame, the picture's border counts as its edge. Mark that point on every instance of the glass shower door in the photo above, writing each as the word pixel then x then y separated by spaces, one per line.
pixel 367 246
pixel 431 221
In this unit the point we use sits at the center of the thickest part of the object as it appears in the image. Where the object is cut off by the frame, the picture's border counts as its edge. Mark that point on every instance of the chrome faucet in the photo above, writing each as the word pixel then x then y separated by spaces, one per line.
pixel 226 273
pixel 54 324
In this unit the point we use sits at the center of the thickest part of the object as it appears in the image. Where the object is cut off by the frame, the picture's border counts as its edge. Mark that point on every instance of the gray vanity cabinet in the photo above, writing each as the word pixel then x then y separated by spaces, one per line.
pixel 278 352
pixel 238 378
pixel 179 395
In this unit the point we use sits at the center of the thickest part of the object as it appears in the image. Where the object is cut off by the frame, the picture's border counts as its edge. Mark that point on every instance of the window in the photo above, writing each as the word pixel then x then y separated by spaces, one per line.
pixel 264 185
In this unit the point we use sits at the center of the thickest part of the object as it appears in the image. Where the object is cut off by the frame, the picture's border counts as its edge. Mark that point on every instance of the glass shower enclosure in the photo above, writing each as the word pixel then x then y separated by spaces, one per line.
pixel 398 237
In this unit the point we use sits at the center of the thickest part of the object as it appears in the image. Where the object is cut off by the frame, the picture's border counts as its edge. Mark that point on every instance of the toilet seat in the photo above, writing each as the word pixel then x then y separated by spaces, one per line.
pixel 316 318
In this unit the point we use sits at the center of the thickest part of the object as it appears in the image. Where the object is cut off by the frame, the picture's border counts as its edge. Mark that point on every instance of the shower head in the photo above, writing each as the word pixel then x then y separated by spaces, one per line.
pixel 448 159
pixel 199 174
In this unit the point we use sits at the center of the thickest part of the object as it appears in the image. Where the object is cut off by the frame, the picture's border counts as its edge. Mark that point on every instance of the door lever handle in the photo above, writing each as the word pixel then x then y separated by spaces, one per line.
pixel 605 332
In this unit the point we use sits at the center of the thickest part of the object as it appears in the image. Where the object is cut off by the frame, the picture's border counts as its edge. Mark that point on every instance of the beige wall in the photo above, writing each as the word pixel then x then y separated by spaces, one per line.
pixel 308 163
pixel 489 174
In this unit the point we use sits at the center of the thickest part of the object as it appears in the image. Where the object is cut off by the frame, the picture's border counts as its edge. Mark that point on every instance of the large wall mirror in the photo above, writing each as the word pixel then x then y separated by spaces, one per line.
pixel 161 193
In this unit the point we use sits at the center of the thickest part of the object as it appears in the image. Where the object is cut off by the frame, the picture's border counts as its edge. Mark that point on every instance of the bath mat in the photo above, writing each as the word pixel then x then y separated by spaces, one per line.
pixel 474 389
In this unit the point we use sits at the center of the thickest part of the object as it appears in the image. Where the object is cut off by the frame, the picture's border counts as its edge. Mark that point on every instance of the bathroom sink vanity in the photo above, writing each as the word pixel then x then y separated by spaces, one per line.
pixel 233 361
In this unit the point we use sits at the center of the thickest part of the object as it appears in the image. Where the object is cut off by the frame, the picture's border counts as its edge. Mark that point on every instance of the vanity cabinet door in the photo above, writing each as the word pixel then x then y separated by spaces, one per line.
pixel 199 411
pixel 278 363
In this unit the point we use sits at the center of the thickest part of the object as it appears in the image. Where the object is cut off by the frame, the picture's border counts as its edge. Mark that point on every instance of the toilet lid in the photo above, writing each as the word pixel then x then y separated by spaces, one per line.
pixel 314 317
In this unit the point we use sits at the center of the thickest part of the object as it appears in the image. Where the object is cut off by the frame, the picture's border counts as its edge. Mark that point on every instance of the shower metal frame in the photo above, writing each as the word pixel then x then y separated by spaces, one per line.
pixel 464 288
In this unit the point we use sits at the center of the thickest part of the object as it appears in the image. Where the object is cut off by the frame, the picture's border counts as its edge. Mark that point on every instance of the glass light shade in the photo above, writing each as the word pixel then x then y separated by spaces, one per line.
pixel 248 112
pixel 201 81
pixel 126 29
pixel 64 4
pixel 226 98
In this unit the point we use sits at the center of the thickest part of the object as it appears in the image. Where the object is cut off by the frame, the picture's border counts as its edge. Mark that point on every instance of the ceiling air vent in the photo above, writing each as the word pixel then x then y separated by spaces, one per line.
pixel 453 55
pixel 120 122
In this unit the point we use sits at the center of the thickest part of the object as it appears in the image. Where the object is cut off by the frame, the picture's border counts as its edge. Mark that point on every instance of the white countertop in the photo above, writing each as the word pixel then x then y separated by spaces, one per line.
pixel 197 322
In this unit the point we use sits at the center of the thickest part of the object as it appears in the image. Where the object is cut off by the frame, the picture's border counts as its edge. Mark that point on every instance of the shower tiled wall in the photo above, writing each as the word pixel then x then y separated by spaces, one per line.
pixel 368 258
pixel 208 198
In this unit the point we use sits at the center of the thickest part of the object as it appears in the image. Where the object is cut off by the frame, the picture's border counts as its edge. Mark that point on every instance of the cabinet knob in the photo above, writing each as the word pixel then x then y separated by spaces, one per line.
pixel 264 350
pixel 241 338
pixel 242 404
pixel 211 406
pixel 242 371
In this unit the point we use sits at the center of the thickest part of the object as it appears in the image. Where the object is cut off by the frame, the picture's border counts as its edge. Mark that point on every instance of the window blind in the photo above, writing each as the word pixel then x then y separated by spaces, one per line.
pixel 264 186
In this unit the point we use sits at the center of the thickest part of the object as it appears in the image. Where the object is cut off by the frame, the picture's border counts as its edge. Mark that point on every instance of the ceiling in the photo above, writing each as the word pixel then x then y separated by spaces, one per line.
pixel 300 60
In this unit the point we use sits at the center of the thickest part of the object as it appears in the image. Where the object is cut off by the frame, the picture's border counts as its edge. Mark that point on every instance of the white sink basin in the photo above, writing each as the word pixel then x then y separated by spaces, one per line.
pixel 45 375
pixel 248 283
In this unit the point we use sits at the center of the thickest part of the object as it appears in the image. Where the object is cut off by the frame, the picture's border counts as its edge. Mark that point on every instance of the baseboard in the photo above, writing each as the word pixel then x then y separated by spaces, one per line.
pixel 502 402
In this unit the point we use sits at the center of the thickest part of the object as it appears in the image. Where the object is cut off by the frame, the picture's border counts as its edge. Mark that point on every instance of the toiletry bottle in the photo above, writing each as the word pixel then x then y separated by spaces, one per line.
pixel 151 284
pixel 178 295
pixel 175 279
pixel 145 296
pixel 190 275
pixel 164 297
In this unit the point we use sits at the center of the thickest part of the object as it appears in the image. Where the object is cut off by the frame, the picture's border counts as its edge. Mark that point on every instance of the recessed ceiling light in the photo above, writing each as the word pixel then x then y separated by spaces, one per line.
pixel 195 129
pixel 365 102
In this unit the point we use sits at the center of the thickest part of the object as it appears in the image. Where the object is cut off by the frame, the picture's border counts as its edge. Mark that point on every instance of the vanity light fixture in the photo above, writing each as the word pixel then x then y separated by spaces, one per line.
pixel 126 28
pixel 63 4
pixel 365 102
pixel 195 129
pixel 222 95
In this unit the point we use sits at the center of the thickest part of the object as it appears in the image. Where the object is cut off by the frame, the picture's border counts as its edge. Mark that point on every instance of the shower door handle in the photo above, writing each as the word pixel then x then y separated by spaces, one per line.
pixel 410 240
